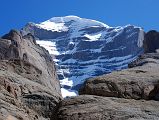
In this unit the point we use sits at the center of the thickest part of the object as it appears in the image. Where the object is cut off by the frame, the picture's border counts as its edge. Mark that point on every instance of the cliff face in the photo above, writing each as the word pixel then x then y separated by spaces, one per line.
pixel 29 88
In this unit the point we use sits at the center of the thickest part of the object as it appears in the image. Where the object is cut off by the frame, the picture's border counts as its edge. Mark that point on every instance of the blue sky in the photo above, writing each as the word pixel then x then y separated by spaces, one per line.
pixel 16 13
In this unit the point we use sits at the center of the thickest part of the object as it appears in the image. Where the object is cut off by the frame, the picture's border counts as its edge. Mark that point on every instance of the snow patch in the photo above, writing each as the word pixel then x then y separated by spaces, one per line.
pixel 67 82
pixel 59 24
pixel 69 61
pixel 140 38
pixel 104 25
pixel 48 25
pixel 96 50
pixel 66 93
pixel 93 37
pixel 49 45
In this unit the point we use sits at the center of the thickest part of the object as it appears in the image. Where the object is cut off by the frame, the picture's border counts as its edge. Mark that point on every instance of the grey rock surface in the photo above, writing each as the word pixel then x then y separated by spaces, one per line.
pixel 141 82
pixel 144 59
pixel 88 107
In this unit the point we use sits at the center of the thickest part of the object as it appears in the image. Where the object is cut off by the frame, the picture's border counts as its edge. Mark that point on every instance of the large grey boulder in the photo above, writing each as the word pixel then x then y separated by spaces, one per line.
pixel 140 82
pixel 88 107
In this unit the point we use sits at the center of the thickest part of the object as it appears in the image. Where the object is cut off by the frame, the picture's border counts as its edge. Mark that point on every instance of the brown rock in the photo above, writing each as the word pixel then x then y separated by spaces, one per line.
pixel 29 88
pixel 87 107
pixel 145 59
pixel 136 83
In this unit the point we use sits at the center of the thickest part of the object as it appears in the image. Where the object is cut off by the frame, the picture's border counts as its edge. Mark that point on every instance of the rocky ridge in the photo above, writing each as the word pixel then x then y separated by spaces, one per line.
pixel 29 88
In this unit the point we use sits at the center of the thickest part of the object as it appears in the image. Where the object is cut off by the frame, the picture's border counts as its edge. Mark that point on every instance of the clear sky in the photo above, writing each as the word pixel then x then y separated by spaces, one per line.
pixel 16 13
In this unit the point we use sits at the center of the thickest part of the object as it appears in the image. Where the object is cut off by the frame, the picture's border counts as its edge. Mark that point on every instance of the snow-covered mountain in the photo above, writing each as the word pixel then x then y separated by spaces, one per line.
pixel 85 48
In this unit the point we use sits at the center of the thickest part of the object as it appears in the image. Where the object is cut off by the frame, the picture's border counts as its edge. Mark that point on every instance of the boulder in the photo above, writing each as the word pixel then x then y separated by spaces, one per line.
pixel 140 82
pixel 88 107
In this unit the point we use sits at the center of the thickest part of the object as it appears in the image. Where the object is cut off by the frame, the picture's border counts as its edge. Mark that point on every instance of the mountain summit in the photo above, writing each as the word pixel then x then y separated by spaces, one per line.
pixel 59 23
pixel 85 48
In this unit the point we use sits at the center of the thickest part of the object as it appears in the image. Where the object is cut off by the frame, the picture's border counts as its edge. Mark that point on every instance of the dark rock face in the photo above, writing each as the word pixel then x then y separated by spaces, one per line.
pixel 87 107
pixel 151 42
pixel 29 88
pixel 44 104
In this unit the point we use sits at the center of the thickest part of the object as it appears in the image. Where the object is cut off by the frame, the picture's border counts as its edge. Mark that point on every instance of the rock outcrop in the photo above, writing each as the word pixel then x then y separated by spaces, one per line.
pixel 145 59
pixel 136 83
pixel 151 42
pixel 87 107
pixel 29 88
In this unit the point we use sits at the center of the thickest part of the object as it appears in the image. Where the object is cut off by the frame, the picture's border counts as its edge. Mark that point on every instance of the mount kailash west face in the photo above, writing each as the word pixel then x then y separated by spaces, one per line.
pixel 84 48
